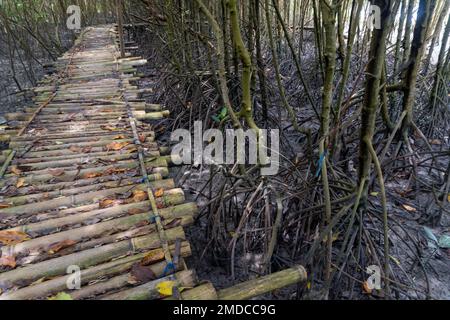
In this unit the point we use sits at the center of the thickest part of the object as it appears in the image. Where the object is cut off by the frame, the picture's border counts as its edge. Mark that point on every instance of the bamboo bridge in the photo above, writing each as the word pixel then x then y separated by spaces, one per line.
pixel 85 194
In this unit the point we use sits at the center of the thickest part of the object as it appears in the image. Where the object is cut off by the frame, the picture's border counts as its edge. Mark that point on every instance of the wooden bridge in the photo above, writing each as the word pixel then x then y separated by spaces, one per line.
pixel 85 187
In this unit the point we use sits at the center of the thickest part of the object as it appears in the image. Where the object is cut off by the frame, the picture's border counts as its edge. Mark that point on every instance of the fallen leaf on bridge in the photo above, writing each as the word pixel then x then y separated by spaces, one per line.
pixel 159 193
pixel 106 203
pixel 116 146
pixel 108 128
pixel 16 170
pixel 8 261
pixel 139 195
pixel 165 288
pixel 141 274
pixel 61 245
pixel 90 175
pixel 115 170
pixel 11 237
pixel 20 183
pixel 152 257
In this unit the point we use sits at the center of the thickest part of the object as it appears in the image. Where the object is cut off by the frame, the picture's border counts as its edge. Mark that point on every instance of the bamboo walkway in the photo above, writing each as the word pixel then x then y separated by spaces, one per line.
pixel 84 185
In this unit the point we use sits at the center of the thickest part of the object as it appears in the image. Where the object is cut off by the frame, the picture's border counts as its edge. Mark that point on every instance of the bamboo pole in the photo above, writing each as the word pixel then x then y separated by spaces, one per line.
pixel 48 195
pixel 123 164
pixel 75 136
pixel 249 289
pixel 203 292
pixel 28 157
pixel 92 197
pixel 47 175
pixel 149 290
pixel 109 269
pixel 52 225
pixel 87 258
pixel 90 232
pixel 265 284
pixel 98 140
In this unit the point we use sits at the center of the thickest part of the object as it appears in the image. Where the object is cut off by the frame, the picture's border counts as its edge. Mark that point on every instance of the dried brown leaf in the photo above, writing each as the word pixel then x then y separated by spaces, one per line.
pixel 90 175
pixel 8 261
pixel 11 237
pixel 61 245
pixel 20 183
pixel 159 193
pixel 106 203
pixel 75 149
pixel 116 146
pixel 115 170
pixel 142 274
pixel 152 257
pixel 139 195
pixel 108 128
pixel 16 170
